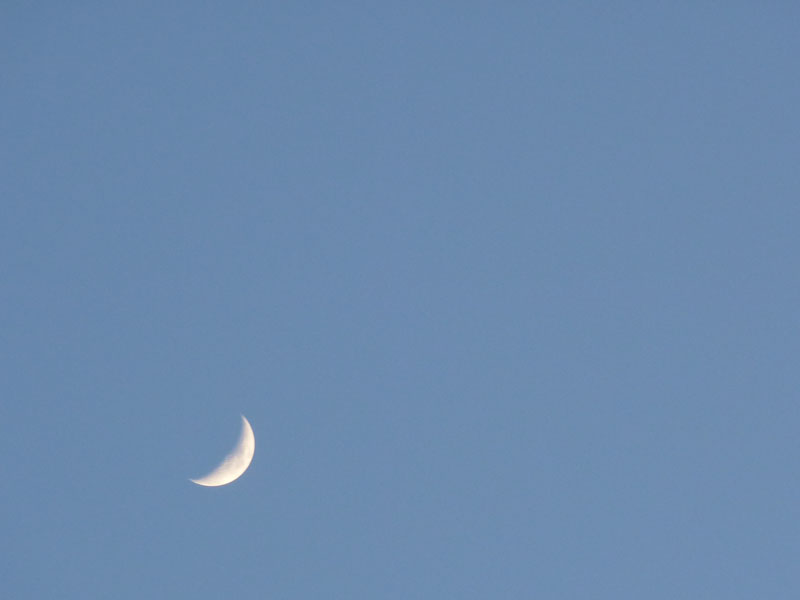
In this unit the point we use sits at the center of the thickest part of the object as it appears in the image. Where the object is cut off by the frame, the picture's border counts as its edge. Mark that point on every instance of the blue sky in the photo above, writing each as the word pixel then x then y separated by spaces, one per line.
pixel 508 293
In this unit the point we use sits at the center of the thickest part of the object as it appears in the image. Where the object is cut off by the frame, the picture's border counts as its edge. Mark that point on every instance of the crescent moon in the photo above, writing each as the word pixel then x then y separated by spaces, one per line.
pixel 235 463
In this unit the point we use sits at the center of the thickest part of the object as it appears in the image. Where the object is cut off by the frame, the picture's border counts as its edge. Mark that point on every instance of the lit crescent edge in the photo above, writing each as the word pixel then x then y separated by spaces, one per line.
pixel 236 463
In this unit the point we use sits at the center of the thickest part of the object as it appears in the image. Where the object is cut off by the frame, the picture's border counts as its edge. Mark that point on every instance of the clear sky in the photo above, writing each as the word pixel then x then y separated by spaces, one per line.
pixel 509 293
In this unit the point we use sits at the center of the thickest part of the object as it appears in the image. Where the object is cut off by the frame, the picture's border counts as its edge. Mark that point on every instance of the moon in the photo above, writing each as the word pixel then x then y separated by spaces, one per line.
pixel 236 463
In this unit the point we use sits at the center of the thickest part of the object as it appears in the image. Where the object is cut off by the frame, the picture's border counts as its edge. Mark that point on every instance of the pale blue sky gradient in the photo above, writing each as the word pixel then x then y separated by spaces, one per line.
pixel 508 293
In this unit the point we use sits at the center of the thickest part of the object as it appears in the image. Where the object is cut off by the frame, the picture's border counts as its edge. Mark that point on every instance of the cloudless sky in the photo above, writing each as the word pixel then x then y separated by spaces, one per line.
pixel 508 291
